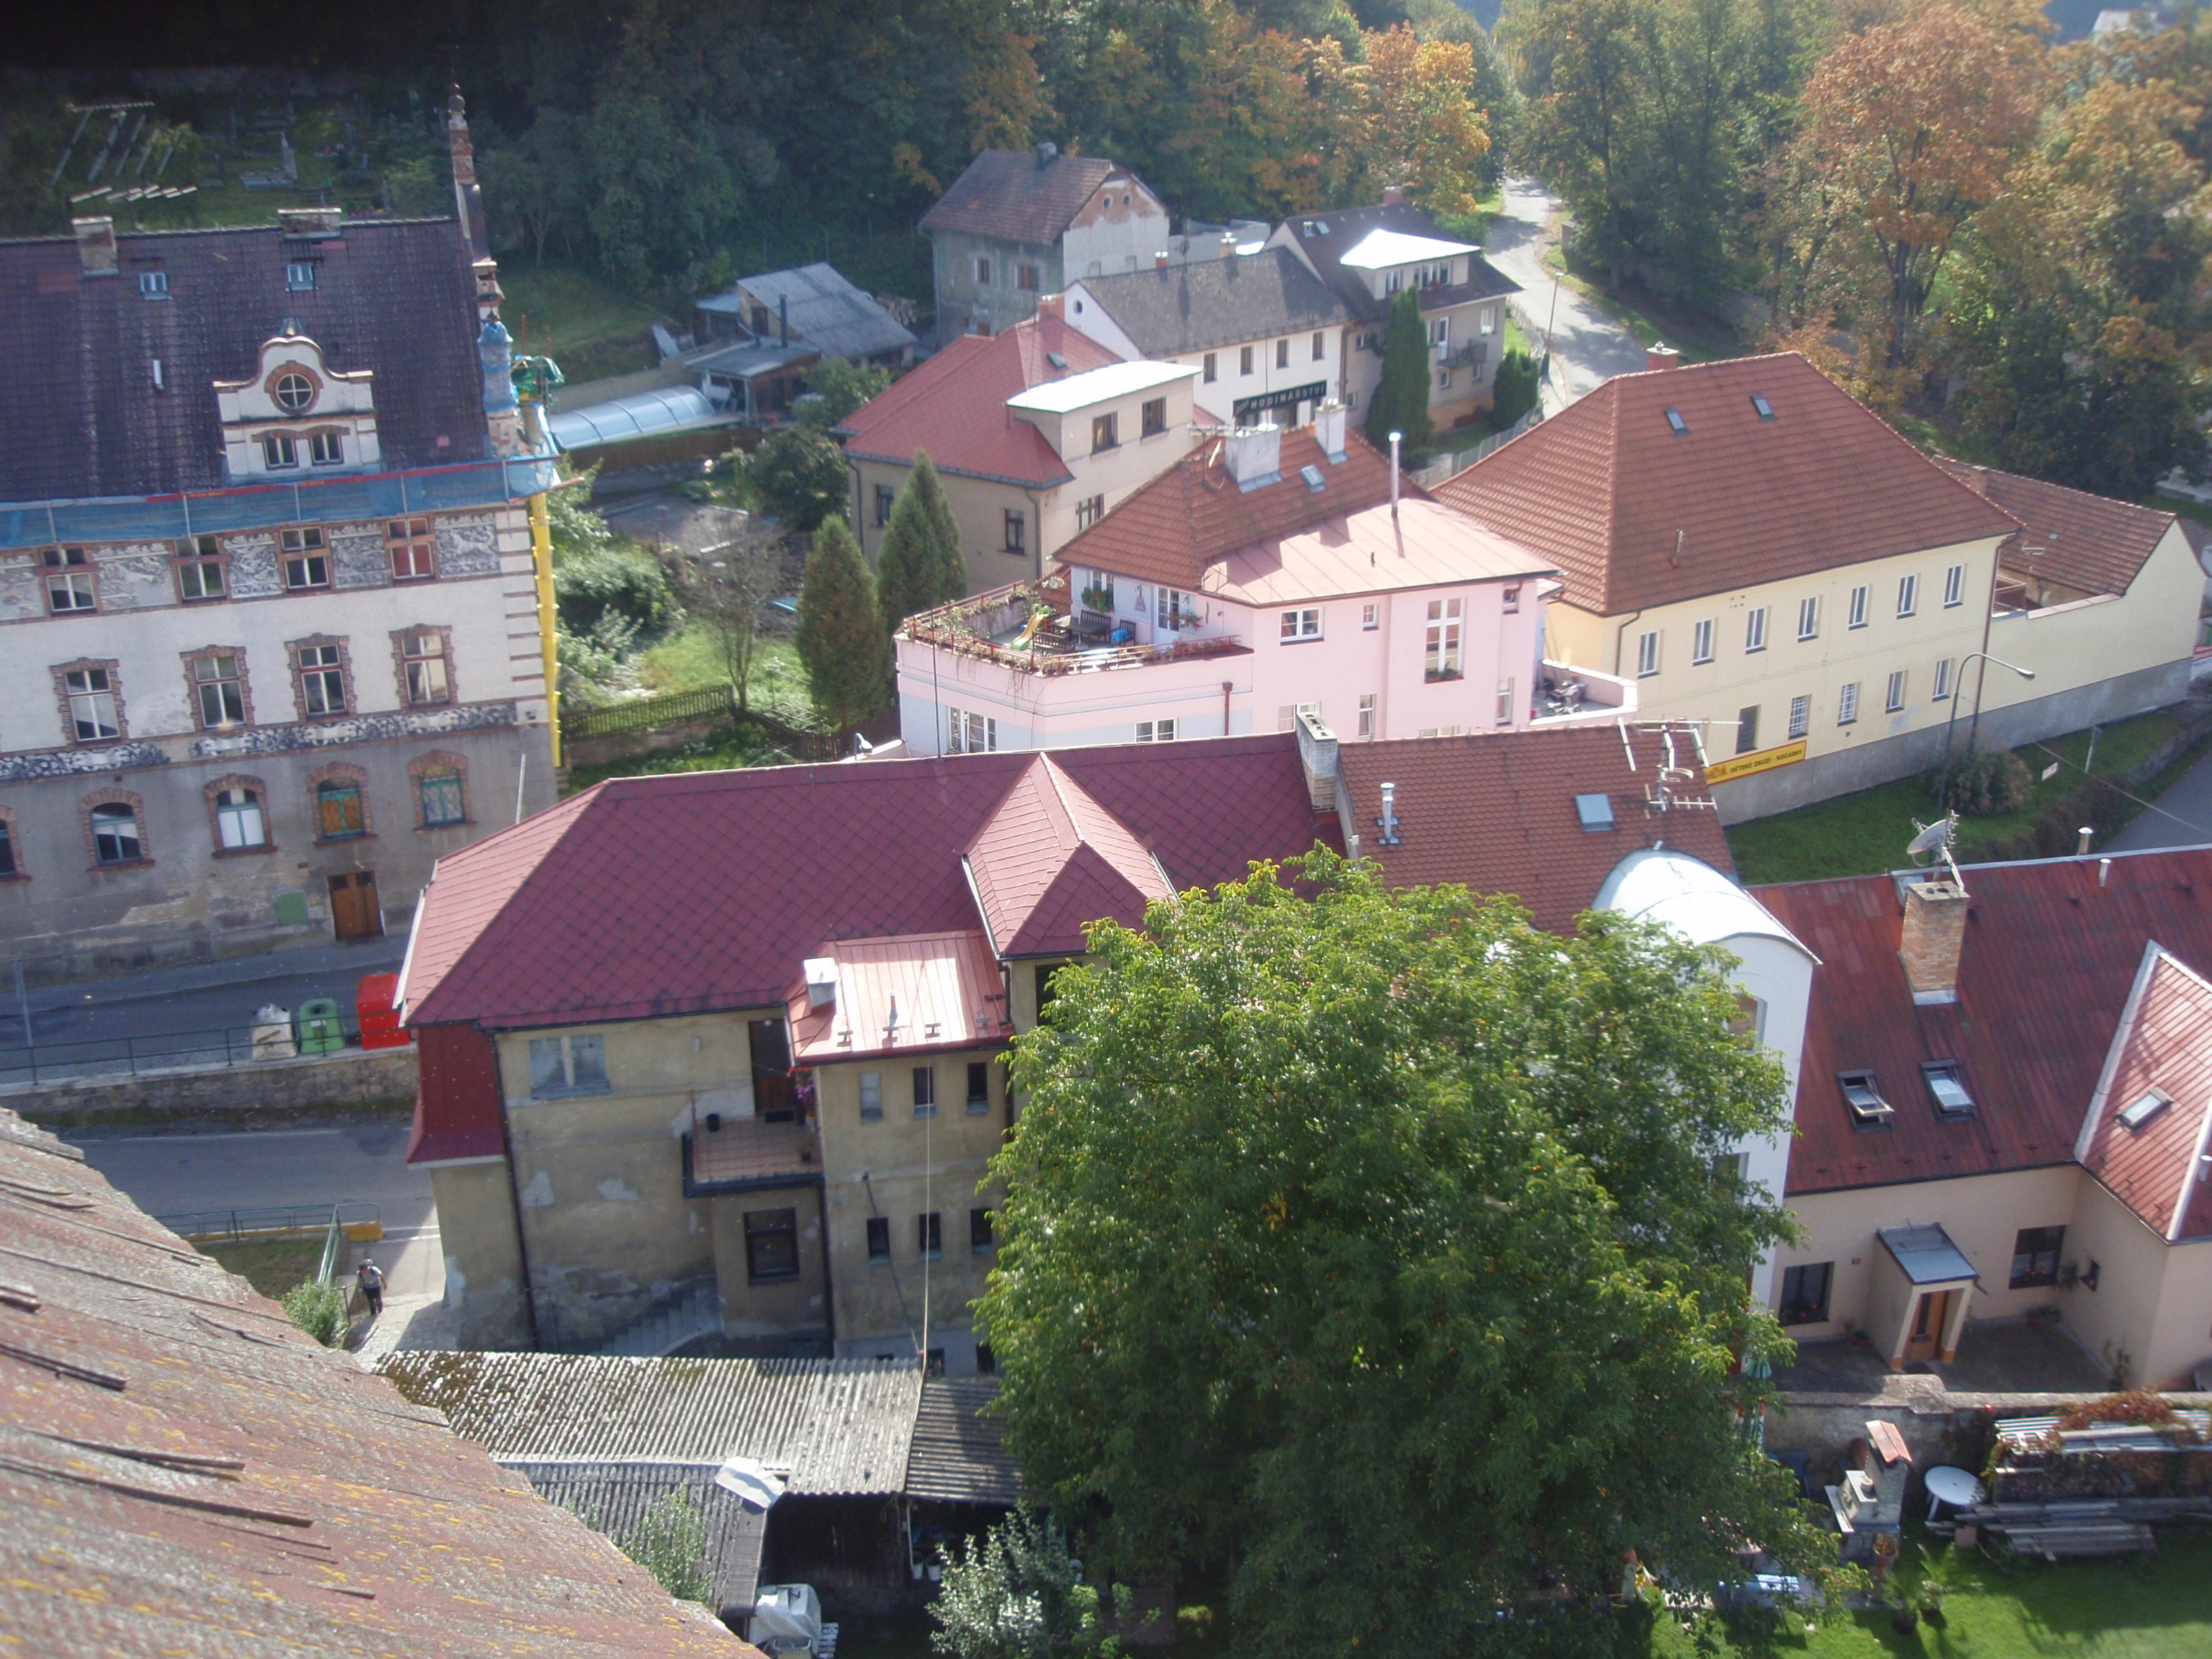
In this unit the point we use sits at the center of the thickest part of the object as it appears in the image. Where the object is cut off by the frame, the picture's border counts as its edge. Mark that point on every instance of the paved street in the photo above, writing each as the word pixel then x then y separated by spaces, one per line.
pixel 2182 816
pixel 1588 347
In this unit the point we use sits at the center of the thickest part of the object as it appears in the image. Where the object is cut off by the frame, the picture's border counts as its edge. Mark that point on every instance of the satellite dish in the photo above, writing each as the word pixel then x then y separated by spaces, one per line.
pixel 1934 838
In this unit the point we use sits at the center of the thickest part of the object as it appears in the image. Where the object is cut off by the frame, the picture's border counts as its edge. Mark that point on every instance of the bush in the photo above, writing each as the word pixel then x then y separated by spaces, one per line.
pixel 1979 785
pixel 1515 393
pixel 1017 1592
pixel 800 475
pixel 670 1542
pixel 613 582
pixel 319 1309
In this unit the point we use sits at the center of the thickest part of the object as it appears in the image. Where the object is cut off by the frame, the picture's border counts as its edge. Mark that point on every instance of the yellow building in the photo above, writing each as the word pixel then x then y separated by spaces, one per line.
pixel 1767 557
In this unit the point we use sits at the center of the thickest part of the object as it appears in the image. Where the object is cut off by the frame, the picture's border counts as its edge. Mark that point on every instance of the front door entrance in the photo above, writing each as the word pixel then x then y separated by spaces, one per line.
pixel 354 910
pixel 1930 1317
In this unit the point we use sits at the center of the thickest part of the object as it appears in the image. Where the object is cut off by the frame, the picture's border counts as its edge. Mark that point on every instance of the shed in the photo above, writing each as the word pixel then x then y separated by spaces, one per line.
pixel 612 1496
pixel 817 307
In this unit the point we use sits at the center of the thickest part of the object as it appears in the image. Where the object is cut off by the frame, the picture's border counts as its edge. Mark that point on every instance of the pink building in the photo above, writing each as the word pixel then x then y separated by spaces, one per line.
pixel 1266 573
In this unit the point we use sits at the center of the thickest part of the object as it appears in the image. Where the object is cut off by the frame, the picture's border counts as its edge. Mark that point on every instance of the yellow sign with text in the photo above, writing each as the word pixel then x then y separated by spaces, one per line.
pixel 1765 760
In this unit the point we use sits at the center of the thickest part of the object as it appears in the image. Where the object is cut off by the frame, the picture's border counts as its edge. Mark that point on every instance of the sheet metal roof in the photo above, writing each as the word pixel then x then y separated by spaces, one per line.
pixel 1636 515
pixel 183 1471
pixel 1198 305
pixel 1050 859
pixel 1384 247
pixel 959 1456
pixel 824 309
pixel 1013 195
pixel 1095 385
pixel 841 1427
pixel 641 415
pixel 77 401
pixel 943 988
pixel 613 1497
pixel 1927 1255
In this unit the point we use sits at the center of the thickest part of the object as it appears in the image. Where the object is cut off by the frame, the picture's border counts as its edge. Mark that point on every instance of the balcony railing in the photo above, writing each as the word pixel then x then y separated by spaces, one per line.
pixel 1031 626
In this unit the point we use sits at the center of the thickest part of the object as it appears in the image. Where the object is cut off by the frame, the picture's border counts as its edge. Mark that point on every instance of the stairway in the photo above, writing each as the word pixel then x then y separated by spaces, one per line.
pixel 695 1311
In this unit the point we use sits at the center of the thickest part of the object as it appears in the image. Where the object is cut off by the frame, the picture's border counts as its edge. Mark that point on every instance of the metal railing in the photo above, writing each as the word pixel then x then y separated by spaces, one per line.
pixel 135 1056
pixel 649 714
pixel 276 1218
pixel 333 1247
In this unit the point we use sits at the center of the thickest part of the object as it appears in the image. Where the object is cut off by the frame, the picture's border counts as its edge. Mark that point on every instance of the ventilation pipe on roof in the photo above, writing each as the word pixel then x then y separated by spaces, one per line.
pixel 1396 438
pixel 821 982
pixel 1046 153
pixel 2104 871
pixel 1394 195
pixel 1389 822
pixel 2082 850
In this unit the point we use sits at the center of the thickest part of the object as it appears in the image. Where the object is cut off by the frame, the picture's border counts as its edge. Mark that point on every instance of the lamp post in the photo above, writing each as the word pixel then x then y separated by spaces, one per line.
pixel 1951 719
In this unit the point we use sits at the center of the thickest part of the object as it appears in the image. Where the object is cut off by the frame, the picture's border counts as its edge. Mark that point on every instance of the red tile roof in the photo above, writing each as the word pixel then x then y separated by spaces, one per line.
pixel 2091 542
pixel 1011 195
pixel 1638 515
pixel 2163 1047
pixel 1050 859
pixel 954 405
pixel 698 892
pixel 183 1471
pixel 2049 960
pixel 1194 513
pixel 1497 813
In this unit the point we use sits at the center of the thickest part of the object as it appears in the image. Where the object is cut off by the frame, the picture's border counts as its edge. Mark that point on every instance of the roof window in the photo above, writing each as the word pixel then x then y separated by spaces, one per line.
pixel 1948 1087
pixel 1676 422
pixel 1594 811
pixel 153 285
pixel 1864 1096
pixel 2145 1107
pixel 1764 410
pixel 1312 476
pixel 1055 359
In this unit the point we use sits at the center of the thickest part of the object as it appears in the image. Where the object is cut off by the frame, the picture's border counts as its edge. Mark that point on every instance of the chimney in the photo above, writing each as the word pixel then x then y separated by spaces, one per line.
pixel 1053 305
pixel 468 196
pixel 1228 244
pixel 1047 152
pixel 1660 355
pixel 1253 455
pixel 2085 832
pixel 1159 259
pixel 1330 420
pixel 1389 822
pixel 95 246
pixel 1396 438
pixel 1393 195
pixel 821 981
pixel 1935 931
pixel 1317 756
pixel 309 221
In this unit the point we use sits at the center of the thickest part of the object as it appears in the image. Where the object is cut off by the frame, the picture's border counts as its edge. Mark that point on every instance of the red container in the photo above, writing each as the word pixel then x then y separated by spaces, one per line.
pixel 380 1019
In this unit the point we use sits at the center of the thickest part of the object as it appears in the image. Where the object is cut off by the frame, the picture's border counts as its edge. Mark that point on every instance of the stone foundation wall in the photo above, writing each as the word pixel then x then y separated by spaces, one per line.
pixel 378 1078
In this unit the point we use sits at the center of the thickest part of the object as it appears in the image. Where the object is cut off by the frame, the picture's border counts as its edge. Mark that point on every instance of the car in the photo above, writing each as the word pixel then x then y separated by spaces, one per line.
pixel 787 608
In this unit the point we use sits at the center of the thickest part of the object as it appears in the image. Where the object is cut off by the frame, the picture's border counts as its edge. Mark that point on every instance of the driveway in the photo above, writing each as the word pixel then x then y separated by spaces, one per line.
pixel 1588 347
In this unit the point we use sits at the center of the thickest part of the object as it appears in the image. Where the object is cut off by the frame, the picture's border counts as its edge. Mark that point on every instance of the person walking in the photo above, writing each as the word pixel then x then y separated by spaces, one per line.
pixel 370 1277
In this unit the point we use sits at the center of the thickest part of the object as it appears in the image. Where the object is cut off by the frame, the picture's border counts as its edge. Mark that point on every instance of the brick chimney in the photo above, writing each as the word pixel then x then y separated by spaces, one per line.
pixel 1934 934
pixel 1394 195
pixel 1660 355
pixel 95 246
pixel 1053 305
pixel 1159 259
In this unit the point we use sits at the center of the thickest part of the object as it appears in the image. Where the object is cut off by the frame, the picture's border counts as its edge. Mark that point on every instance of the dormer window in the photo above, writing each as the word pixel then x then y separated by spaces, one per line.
pixel 279 452
pixel 1947 1088
pixel 327 449
pixel 293 392
pixel 1864 1096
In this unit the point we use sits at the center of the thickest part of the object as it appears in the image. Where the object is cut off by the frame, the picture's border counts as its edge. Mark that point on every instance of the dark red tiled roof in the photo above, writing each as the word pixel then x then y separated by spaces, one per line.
pixel 1194 513
pixel 1497 813
pixel 1050 859
pixel 2164 1047
pixel 2049 959
pixel 698 891
pixel 1011 194
pixel 954 406
pixel 184 1472
pixel 2090 543
pixel 1638 515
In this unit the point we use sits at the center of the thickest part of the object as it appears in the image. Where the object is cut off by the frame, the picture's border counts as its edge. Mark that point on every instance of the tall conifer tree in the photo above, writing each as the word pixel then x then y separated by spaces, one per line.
pixel 840 634
pixel 1400 403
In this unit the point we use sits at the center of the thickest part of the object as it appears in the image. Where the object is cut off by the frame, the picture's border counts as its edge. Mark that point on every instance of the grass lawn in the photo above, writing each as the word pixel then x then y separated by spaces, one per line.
pixel 1866 833
pixel 726 750
pixel 589 328
pixel 271 1266
pixel 692 658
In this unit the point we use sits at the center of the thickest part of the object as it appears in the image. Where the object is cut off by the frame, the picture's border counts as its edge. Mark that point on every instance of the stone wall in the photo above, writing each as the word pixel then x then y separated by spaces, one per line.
pixel 380 1078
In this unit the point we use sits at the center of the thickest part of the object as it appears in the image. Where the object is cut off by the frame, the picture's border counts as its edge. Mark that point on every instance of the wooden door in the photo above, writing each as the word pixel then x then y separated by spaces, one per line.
pixel 1929 1316
pixel 355 913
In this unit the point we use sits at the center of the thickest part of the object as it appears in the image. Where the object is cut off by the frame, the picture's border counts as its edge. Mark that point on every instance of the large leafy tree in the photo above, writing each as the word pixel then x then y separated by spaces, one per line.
pixel 840 637
pixel 1385 1254
pixel 919 564
pixel 1400 403
pixel 800 472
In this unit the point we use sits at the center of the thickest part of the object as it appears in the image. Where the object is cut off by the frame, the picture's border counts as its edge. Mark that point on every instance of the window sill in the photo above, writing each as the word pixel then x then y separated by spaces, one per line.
pixel 879 1262
pixel 920 1112
pixel 242 852
pixel 123 864
pixel 422 576
pixel 979 1108
pixel 96 743
pixel 1441 679
pixel 569 1094
pixel 1303 639
pixel 343 840
pixel 15 875
pixel 432 828
pixel 772 1278
pixel 413 707
pixel 324 720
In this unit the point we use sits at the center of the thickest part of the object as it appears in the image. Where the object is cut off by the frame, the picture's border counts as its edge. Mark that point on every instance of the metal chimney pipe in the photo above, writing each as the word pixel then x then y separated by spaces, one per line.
pixel 1396 438
pixel 2104 870
pixel 783 320
pixel 2082 851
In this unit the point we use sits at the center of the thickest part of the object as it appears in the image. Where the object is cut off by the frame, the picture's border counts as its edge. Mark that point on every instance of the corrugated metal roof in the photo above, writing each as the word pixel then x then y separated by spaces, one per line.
pixel 612 1497
pixel 183 1471
pixel 642 414
pixel 824 309
pixel 840 1426
pixel 959 1456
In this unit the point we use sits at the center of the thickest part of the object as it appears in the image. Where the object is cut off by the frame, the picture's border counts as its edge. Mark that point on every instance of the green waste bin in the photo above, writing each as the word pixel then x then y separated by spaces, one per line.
pixel 320 1031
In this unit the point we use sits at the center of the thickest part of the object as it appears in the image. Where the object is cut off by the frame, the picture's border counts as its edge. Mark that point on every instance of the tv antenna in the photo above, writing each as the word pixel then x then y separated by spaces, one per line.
pixel 1667 793
pixel 1934 841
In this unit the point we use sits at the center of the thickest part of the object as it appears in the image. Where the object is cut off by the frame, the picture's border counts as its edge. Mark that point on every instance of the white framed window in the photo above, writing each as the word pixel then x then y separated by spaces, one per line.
pixel 1509 599
pixel 91 693
pixel 327 449
pixel 1647 654
pixel 1440 332
pixel 1858 617
pixel 293 392
pixel 306 563
pixel 220 691
pixel 1319 344
pixel 1701 641
pixel 1895 701
pixel 982 273
pixel 1847 703
pixel 1746 730
pixel 69 585
pixel 279 453
pixel 1174 610
pixel 1367 715
pixel 1486 320
pixel 422 662
pixel 1505 701
pixel 1808 618
pixel 1244 360
pixel 1954 586
pixel 1282 353
pixel 322 679
pixel 1370 617
pixel 239 821
pixel 1801 715
pixel 153 284
pixel 983 734
pixel 567 1065
pixel 1155 731
pixel 1444 379
pixel 1302 624
pixel 116 838
pixel 1286 715
pixel 1754 629
pixel 1441 659
pixel 1942 681
pixel 1908 595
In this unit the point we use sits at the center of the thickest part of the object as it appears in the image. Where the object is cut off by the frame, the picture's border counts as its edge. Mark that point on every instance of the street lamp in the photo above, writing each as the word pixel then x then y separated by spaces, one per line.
pixel 1952 718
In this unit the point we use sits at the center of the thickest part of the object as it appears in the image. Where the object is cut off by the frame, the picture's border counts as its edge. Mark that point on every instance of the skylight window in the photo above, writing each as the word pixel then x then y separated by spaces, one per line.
pixel 1674 420
pixel 1948 1087
pixel 1766 410
pixel 1863 1097
pixel 1594 811
pixel 2149 1106
pixel 1312 476
pixel 1055 359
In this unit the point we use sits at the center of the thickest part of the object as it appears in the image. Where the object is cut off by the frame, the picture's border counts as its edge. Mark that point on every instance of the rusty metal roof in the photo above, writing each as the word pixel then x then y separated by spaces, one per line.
pixel 183 1471
pixel 959 1456
pixel 838 1426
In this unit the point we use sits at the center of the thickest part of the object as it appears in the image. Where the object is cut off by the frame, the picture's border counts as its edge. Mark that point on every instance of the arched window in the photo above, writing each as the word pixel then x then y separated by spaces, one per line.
pixel 337 809
pixel 440 791
pixel 240 822
pixel 115 835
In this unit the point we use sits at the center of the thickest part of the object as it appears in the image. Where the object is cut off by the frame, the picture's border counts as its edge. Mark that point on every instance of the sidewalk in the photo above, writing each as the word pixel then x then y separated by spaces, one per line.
pixel 415 1314
pixel 306 961
pixel 1588 346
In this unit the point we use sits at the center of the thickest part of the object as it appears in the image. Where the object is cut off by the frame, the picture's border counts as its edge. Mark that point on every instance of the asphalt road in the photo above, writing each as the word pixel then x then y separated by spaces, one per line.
pixel 1588 347
pixel 2182 816
pixel 168 1174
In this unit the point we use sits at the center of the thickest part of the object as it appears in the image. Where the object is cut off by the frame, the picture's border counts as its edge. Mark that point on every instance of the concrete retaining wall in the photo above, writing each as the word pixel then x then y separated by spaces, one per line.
pixel 383 1076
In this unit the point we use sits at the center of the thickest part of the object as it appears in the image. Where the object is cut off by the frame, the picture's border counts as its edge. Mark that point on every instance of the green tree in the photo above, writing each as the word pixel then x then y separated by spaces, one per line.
pixel 1379 1251
pixel 1016 1593
pixel 919 564
pixel 839 388
pixel 800 474
pixel 840 634
pixel 670 1542
pixel 319 1309
pixel 1515 391
pixel 1400 403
